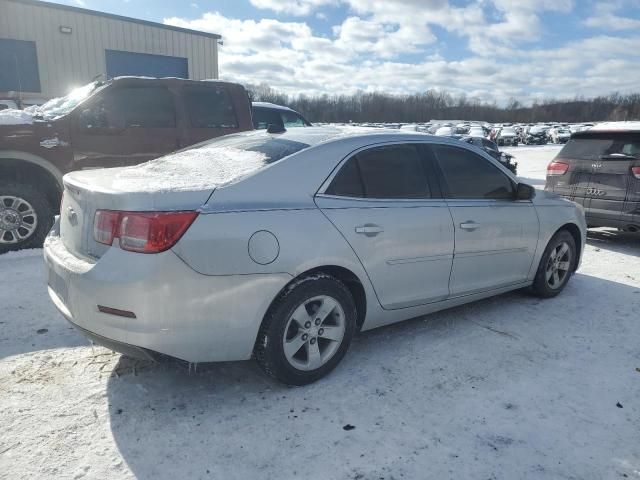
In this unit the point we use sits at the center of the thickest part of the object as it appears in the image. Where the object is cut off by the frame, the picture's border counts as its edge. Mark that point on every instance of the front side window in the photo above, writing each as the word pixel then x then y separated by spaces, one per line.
pixel 142 107
pixel 209 108
pixel 292 119
pixel 391 172
pixel 470 176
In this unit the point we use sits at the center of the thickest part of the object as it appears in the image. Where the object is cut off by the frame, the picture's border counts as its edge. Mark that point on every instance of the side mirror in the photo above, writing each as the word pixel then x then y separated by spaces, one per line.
pixel 525 192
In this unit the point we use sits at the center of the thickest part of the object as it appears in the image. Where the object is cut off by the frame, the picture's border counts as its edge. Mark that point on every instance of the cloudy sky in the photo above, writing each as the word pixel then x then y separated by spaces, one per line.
pixel 490 49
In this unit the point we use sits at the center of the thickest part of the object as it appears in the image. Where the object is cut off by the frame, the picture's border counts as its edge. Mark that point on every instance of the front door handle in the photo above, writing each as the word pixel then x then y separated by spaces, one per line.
pixel 369 229
pixel 469 225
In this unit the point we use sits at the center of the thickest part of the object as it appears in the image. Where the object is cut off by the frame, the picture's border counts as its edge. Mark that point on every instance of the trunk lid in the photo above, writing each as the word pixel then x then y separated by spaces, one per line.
pixel 179 181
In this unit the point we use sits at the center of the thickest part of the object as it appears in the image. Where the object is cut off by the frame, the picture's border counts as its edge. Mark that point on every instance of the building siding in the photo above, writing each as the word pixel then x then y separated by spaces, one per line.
pixel 66 61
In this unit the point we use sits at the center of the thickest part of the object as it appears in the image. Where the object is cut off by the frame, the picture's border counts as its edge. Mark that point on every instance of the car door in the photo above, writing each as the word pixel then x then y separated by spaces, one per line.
pixel 124 126
pixel 495 234
pixel 385 201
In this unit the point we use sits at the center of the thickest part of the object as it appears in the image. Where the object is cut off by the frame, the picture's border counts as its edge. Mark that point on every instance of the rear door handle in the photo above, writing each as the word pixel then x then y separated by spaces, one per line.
pixel 369 229
pixel 469 225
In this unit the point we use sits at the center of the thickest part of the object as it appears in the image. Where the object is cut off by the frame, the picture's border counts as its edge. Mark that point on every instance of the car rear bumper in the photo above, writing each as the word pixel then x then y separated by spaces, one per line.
pixel 609 213
pixel 609 218
pixel 175 310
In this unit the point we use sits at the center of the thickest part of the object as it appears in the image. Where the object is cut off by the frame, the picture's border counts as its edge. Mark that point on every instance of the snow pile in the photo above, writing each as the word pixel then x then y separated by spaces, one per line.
pixel 194 169
pixel 15 117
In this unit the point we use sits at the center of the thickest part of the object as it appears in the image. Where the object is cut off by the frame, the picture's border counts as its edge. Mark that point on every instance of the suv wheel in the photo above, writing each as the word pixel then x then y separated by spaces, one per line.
pixel 556 265
pixel 307 330
pixel 26 216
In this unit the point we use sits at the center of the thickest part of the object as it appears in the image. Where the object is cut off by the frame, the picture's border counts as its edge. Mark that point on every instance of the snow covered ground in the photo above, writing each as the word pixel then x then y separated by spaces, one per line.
pixel 509 388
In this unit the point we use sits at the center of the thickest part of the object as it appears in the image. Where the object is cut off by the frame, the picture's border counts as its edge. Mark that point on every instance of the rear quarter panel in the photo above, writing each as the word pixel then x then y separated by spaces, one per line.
pixel 218 244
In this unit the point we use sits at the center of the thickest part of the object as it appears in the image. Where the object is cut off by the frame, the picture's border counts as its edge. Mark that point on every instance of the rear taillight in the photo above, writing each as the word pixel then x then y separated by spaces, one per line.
pixel 105 226
pixel 557 168
pixel 143 232
pixel 636 172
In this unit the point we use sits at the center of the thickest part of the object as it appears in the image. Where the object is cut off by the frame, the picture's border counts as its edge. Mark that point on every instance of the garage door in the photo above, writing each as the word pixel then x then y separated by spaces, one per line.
pixel 144 64
pixel 18 66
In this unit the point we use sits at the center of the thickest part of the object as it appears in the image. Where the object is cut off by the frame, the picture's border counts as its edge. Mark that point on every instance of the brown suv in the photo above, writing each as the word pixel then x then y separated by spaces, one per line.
pixel 124 121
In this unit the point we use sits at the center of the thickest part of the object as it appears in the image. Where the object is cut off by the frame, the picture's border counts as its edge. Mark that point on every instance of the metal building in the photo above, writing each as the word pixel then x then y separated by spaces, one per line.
pixel 47 49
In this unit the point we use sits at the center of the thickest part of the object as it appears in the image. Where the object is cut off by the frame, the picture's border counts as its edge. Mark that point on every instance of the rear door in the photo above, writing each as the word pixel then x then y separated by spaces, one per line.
pixel 495 235
pixel 385 202
pixel 124 126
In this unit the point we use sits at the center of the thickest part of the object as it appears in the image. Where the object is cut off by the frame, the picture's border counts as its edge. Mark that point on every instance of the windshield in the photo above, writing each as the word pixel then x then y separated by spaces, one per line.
pixel 508 131
pixel 56 107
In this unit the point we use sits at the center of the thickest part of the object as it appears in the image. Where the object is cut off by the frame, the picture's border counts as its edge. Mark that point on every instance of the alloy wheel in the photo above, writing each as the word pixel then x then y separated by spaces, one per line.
pixel 18 219
pixel 314 333
pixel 558 265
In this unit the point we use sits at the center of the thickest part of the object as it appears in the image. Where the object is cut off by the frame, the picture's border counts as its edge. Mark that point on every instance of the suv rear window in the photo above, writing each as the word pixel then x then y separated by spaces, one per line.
pixel 602 147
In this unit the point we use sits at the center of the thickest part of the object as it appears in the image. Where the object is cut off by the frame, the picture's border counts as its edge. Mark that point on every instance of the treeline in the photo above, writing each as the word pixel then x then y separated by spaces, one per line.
pixel 432 104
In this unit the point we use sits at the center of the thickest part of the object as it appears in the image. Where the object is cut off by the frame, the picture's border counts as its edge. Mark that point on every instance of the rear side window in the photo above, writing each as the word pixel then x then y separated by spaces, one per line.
pixel 602 147
pixel 470 176
pixel 131 107
pixel 209 108
pixel 393 172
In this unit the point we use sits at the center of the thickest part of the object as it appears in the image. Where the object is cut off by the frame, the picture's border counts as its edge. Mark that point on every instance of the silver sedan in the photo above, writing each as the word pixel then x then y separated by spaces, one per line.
pixel 282 246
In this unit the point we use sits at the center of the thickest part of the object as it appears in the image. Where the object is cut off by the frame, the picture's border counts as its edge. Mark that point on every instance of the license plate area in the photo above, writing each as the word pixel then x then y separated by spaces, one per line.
pixel 59 285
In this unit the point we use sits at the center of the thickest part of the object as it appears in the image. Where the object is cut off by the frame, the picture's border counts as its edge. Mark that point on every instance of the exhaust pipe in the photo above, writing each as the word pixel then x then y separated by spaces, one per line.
pixel 632 228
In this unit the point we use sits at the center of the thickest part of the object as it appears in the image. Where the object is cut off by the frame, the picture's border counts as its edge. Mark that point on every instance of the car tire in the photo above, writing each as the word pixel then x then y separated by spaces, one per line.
pixel 556 265
pixel 291 349
pixel 26 216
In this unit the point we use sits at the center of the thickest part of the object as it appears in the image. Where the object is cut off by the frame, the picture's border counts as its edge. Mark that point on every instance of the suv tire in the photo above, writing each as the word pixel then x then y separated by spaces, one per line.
pixel 26 216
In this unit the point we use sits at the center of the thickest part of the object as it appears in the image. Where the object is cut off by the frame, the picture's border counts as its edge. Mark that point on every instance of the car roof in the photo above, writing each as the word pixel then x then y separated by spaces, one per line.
pixel 355 137
pixel 616 127
pixel 271 105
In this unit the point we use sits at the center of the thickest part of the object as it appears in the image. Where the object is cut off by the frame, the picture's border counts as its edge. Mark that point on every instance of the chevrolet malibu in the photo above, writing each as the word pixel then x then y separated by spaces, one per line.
pixel 282 246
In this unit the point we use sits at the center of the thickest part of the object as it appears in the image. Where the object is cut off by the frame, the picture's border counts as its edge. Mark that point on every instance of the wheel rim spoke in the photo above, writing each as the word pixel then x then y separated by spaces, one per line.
pixel 328 306
pixel 549 273
pixel 294 345
pixel 556 278
pixel 314 359
pixel 334 334
pixel 301 316
pixel 564 248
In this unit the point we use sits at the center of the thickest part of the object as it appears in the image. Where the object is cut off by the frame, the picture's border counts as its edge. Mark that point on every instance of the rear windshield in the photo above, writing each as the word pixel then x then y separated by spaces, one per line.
pixel 602 147
pixel 209 164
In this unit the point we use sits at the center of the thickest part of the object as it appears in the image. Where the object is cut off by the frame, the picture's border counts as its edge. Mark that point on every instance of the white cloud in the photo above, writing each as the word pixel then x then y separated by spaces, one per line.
pixel 605 17
pixel 292 7
pixel 365 51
